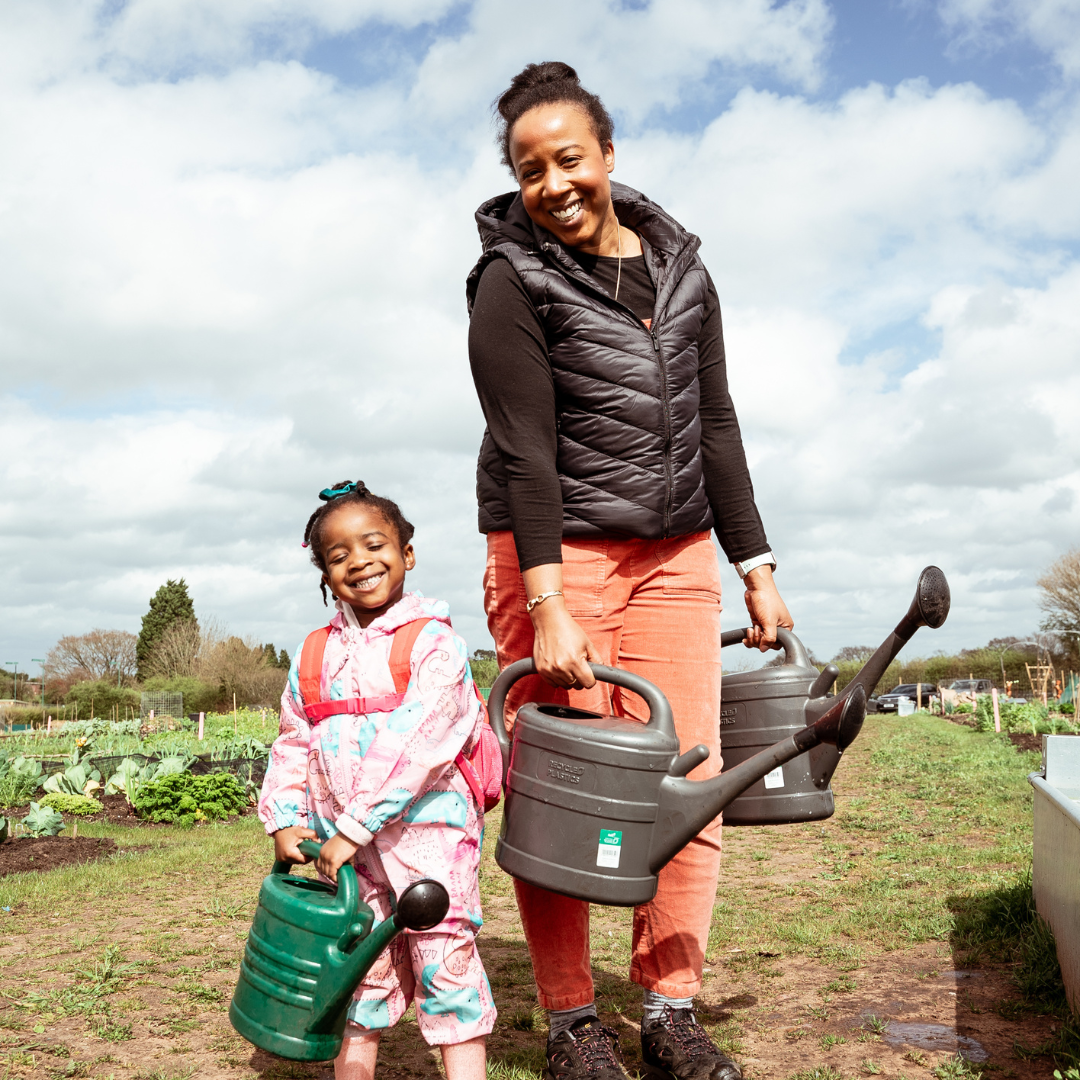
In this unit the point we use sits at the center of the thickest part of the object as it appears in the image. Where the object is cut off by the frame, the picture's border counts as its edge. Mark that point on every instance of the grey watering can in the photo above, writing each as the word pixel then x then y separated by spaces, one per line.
pixel 760 707
pixel 597 805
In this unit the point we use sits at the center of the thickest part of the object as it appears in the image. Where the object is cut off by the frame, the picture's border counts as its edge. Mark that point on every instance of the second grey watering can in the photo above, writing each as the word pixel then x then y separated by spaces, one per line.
pixel 760 707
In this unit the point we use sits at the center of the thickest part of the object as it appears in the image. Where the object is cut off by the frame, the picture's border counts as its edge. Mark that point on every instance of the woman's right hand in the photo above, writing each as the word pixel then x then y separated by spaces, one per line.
pixel 561 649
pixel 286 843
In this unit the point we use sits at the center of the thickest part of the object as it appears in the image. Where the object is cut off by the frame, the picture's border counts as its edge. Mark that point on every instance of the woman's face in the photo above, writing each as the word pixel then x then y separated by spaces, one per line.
pixel 563 174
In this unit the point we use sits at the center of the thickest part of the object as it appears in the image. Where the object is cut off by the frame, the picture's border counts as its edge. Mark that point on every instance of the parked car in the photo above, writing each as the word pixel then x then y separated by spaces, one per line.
pixel 890 702
pixel 967 686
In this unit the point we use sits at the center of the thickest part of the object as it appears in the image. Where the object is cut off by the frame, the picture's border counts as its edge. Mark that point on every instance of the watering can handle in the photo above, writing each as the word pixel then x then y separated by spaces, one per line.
pixel 660 717
pixel 794 650
pixel 348 890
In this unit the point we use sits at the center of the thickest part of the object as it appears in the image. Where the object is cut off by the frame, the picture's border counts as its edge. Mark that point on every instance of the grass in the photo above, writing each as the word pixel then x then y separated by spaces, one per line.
pixel 950 818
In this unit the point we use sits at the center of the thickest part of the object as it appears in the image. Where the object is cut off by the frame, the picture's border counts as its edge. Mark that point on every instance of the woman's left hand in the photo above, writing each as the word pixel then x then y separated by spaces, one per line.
pixel 767 609
pixel 336 851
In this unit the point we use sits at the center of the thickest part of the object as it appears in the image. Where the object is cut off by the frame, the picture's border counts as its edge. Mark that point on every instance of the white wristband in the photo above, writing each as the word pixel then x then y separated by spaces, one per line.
pixel 743 568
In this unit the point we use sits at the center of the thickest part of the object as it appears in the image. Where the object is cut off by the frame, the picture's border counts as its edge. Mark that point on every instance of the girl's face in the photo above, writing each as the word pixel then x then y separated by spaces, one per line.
pixel 563 174
pixel 365 562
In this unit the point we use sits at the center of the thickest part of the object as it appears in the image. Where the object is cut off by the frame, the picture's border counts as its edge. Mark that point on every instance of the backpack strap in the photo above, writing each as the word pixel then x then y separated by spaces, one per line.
pixel 311 658
pixel 311 661
pixel 401 653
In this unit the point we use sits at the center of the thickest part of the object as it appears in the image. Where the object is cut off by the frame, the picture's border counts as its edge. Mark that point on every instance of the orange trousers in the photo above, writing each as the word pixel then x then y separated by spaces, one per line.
pixel 653 608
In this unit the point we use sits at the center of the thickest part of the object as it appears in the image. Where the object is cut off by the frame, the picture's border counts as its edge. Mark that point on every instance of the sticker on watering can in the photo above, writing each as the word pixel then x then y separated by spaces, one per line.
pixel 609 849
pixel 775 778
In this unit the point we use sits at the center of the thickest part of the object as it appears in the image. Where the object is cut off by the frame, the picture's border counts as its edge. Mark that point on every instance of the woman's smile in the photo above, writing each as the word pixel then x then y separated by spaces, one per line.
pixel 566 215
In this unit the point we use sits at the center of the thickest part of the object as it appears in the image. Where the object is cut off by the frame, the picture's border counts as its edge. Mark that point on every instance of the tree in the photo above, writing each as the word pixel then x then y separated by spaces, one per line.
pixel 100 654
pixel 1059 587
pixel 240 667
pixel 854 652
pixel 176 652
pixel 170 604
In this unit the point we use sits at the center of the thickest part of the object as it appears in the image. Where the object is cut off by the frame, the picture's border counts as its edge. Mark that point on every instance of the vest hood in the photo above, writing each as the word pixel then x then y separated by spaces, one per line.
pixel 504 220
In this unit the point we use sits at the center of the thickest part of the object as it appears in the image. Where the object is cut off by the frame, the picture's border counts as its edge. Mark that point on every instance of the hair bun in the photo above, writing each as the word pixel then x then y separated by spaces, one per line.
pixel 530 77
pixel 549 83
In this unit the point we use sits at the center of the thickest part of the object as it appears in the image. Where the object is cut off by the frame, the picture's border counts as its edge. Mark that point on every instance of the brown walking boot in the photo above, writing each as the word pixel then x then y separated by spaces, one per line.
pixel 588 1051
pixel 676 1047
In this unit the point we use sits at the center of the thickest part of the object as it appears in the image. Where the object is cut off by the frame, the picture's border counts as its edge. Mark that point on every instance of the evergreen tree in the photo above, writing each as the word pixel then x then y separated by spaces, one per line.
pixel 170 604
pixel 283 661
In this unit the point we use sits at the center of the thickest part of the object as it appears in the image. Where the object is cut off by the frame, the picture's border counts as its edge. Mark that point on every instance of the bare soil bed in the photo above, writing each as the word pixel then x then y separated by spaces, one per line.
pixel 40 853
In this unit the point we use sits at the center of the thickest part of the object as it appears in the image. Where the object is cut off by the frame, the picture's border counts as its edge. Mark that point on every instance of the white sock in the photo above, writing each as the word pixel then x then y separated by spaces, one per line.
pixel 656 1005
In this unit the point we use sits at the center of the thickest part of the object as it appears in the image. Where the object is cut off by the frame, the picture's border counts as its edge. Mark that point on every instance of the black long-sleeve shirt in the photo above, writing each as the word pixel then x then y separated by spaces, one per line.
pixel 509 358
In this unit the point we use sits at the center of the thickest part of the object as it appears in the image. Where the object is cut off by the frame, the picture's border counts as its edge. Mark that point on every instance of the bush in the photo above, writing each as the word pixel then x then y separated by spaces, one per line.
pixel 183 799
pixel 64 803
pixel 199 696
pixel 101 697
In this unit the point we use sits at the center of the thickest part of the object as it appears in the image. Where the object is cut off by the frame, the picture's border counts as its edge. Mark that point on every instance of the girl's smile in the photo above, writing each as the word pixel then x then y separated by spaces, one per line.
pixel 365 562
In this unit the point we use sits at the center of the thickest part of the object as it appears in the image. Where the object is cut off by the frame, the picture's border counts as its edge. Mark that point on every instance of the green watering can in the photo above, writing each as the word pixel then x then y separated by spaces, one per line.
pixel 309 946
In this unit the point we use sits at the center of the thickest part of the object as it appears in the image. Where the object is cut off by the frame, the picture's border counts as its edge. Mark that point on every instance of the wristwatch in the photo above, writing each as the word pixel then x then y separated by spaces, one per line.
pixel 743 568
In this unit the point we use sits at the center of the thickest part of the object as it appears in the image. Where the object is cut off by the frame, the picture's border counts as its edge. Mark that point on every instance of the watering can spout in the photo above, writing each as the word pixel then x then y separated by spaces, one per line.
pixel 930 607
pixel 420 907
pixel 687 806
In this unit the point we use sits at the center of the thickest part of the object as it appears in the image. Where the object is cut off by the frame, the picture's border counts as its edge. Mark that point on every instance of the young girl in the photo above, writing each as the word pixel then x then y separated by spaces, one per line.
pixel 381 787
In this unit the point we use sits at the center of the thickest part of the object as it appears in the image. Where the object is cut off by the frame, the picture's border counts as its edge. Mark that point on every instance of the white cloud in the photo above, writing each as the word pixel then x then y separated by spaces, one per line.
pixel 224 290
pixel 1050 25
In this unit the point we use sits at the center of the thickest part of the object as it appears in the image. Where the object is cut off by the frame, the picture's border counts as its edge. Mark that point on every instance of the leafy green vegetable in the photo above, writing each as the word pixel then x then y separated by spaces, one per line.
pixel 66 803
pixel 19 779
pixel 184 799
pixel 43 820
pixel 74 780
pixel 3 829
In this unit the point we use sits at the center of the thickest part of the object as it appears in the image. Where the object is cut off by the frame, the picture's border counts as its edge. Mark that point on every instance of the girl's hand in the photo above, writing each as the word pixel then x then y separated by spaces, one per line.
pixel 767 609
pixel 336 851
pixel 561 649
pixel 286 841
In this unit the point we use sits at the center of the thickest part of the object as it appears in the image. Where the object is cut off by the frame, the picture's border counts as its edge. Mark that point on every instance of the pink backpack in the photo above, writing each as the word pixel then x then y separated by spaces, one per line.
pixel 483 770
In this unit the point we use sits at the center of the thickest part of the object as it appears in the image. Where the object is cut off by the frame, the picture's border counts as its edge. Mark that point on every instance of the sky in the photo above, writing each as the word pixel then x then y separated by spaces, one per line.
pixel 235 238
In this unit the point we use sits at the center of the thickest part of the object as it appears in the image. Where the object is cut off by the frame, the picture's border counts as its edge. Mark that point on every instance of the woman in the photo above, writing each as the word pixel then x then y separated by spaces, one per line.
pixel 612 449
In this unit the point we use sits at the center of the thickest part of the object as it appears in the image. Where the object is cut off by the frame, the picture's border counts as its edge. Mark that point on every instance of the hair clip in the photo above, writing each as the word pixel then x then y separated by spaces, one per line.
pixel 335 493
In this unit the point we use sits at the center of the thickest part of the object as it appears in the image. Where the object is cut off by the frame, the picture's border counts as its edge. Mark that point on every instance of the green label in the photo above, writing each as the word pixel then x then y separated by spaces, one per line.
pixel 609 849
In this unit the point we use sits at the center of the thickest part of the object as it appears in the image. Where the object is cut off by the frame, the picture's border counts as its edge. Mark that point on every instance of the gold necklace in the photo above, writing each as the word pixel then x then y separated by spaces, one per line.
pixel 618 278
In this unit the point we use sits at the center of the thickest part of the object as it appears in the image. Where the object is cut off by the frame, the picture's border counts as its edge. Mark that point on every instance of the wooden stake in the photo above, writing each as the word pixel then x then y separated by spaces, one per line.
pixel 202 720
pixel 997 711
pixel 234 712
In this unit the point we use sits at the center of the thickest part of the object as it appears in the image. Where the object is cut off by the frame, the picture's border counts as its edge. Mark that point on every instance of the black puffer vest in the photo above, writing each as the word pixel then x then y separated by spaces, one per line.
pixel 629 456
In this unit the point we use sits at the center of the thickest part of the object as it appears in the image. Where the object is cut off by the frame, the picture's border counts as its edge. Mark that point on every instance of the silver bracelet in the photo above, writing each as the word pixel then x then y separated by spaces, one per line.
pixel 540 599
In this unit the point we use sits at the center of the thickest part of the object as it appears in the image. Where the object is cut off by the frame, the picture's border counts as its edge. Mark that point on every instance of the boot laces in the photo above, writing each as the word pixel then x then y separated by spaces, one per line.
pixel 690 1037
pixel 596 1044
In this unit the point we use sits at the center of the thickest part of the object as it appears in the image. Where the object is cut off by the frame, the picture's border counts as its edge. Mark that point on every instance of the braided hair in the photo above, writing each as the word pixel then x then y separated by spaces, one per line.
pixel 550 83
pixel 342 494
